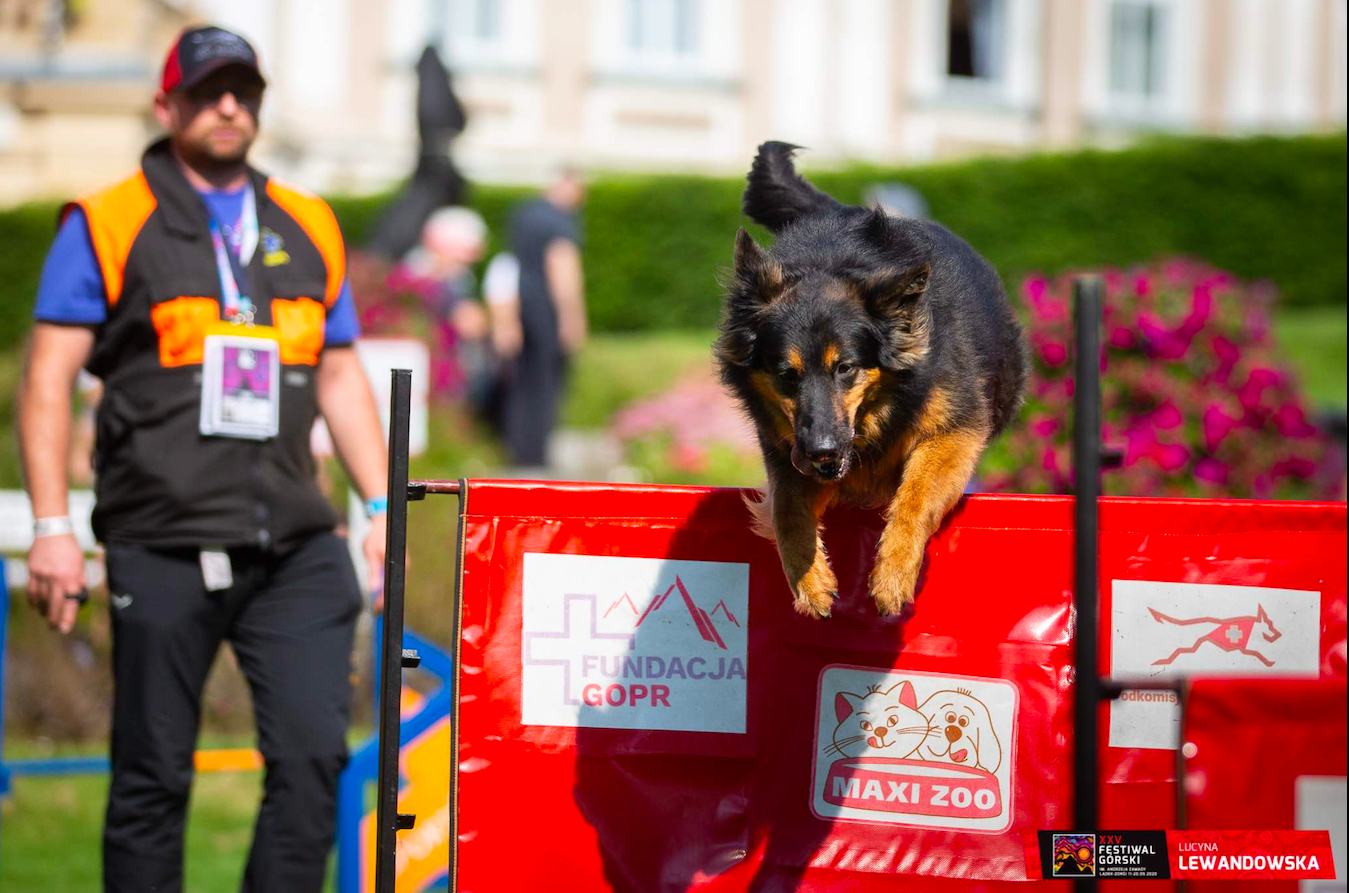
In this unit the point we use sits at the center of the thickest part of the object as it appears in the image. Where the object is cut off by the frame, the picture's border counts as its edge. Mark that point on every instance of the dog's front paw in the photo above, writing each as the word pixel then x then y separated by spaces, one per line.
pixel 816 589
pixel 894 578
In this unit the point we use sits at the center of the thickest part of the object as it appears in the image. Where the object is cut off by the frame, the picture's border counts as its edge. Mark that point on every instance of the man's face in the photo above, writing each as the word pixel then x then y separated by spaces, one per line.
pixel 568 191
pixel 215 121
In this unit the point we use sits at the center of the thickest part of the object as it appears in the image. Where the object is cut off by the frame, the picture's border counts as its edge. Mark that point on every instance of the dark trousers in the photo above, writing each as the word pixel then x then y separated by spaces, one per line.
pixel 290 620
pixel 530 402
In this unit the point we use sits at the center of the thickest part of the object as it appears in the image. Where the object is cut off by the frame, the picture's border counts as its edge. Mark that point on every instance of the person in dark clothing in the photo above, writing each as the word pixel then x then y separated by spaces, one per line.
pixel 211 301
pixel 545 238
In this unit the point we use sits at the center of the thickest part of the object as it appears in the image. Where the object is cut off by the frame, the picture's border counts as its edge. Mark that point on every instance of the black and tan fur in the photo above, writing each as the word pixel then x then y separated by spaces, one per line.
pixel 877 357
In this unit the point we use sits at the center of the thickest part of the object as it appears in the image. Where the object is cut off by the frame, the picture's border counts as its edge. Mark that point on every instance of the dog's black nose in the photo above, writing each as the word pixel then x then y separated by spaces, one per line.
pixel 952 734
pixel 824 454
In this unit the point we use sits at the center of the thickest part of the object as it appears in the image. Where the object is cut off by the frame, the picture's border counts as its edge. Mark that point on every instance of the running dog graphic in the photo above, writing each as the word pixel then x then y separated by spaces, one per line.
pixel 1228 633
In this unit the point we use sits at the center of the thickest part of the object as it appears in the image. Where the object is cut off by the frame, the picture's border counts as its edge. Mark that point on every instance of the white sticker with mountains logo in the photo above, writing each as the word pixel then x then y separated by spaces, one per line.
pixel 907 748
pixel 1162 630
pixel 634 643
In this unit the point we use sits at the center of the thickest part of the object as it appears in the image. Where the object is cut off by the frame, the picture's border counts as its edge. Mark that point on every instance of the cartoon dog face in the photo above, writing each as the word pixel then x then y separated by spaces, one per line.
pixel 879 723
pixel 963 731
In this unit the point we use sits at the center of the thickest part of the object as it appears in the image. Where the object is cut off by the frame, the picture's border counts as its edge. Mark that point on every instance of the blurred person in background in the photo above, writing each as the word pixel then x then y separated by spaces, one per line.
pixel 501 290
pixel 546 243
pixel 211 301
pixel 440 271
pixel 453 240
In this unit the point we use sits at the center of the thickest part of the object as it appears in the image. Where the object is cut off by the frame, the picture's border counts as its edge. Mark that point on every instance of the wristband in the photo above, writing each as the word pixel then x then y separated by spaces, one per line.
pixel 59 525
pixel 376 506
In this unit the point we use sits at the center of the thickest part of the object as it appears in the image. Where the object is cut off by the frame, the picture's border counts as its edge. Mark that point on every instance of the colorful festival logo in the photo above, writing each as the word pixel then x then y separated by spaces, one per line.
pixel 1074 855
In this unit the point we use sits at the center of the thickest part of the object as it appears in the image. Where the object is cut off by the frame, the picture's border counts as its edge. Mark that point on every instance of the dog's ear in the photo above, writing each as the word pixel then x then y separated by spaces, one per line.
pixel 777 196
pixel 757 275
pixel 989 749
pixel 755 281
pixel 894 298
pixel 876 228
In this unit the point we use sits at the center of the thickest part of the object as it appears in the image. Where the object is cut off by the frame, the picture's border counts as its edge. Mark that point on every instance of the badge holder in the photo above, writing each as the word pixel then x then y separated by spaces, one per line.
pixel 240 387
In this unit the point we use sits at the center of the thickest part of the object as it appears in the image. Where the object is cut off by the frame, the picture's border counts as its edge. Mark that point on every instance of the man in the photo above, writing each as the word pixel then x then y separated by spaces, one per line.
pixel 212 303
pixel 545 239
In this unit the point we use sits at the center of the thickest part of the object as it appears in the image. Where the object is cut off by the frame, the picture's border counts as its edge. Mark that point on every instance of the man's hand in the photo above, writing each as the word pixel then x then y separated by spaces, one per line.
pixel 571 332
pixel 373 550
pixel 349 409
pixel 562 267
pixel 55 562
pixel 507 337
pixel 56 571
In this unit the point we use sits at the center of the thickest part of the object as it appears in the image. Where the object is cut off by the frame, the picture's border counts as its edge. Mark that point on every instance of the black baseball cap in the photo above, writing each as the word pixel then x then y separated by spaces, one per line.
pixel 198 52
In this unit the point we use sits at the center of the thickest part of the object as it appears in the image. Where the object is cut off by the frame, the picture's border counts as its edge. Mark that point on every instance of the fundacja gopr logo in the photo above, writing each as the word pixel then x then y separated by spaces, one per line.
pixel 634 643
pixel 914 749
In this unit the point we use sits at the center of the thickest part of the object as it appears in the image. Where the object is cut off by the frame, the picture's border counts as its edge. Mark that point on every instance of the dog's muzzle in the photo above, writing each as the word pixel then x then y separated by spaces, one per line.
pixel 827 464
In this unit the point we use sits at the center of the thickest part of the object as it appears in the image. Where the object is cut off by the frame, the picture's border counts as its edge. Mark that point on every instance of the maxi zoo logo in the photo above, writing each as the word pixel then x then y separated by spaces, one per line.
pixel 634 643
pixel 918 749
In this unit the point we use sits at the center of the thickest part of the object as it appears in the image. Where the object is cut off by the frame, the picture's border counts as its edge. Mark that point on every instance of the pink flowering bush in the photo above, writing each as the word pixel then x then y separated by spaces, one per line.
pixel 393 302
pixel 1194 393
pixel 694 432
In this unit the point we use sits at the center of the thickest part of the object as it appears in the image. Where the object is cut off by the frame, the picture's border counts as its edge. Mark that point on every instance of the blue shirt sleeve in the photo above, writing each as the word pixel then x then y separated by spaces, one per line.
pixel 71 289
pixel 342 327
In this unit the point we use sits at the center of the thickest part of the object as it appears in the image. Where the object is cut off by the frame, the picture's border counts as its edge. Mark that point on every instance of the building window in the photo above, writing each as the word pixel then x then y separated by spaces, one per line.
pixel 976 39
pixel 474 26
pixel 663 28
pixel 1136 49
pixel 486 20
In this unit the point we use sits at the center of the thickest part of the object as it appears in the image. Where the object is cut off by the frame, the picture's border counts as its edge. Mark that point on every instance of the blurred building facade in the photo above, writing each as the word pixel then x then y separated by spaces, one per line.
pixel 687 85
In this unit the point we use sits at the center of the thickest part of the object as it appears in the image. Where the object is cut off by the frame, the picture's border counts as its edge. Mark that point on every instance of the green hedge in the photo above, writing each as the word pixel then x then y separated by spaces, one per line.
pixel 1263 208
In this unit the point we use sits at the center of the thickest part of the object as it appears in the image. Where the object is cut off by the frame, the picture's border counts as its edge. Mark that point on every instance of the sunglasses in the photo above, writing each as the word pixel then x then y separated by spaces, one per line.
pixel 245 92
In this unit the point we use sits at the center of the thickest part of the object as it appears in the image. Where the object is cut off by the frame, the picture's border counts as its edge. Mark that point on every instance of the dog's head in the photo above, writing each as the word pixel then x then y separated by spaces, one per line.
pixel 966 734
pixel 813 325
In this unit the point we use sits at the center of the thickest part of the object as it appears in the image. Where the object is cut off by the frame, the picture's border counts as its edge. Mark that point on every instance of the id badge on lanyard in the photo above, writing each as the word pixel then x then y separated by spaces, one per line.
pixel 241 367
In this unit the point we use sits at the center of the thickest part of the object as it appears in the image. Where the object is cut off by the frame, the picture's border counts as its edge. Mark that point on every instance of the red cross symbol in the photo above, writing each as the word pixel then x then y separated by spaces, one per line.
pixel 1233 634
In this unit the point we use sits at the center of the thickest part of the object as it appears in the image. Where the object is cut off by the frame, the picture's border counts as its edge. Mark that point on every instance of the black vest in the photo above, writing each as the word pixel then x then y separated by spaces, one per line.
pixel 159 481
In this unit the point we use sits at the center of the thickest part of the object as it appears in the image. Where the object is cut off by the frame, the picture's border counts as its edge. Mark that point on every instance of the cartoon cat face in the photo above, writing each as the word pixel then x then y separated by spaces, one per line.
pixel 878 723
pixel 962 731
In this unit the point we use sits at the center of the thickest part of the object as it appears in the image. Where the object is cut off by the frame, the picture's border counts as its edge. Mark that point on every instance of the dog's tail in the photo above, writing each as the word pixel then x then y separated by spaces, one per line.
pixel 777 196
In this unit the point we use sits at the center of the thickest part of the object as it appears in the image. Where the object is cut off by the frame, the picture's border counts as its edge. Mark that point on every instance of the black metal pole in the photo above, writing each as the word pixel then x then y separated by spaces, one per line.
pixel 1087 489
pixel 387 820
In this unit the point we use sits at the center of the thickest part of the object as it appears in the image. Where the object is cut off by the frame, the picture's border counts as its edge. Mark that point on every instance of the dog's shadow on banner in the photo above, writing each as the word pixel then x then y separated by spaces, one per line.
pixel 673 809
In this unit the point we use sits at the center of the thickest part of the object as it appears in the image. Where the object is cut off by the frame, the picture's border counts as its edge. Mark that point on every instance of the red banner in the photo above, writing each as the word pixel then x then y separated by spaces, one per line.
pixel 1250 856
pixel 1263 754
pixel 642 710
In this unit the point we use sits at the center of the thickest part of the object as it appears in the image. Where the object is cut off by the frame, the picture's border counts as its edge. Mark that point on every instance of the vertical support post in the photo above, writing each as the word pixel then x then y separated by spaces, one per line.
pixel 4 641
pixel 1087 490
pixel 387 820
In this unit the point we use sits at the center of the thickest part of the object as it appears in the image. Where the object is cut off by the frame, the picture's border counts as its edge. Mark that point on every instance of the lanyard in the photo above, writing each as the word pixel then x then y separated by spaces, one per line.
pixel 234 270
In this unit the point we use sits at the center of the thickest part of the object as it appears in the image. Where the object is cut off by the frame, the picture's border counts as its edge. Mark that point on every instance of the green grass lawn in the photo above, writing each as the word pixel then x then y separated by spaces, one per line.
pixel 1314 340
pixel 615 370
pixel 50 827
pixel 50 836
